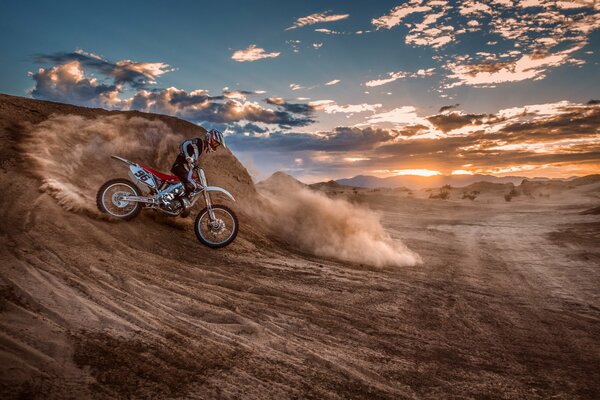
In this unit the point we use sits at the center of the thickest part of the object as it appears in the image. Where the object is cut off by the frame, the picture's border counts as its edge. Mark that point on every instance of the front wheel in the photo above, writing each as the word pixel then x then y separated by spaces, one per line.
pixel 110 199
pixel 217 233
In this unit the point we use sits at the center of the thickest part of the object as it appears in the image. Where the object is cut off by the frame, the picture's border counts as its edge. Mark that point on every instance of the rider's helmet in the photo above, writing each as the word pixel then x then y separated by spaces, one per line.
pixel 214 139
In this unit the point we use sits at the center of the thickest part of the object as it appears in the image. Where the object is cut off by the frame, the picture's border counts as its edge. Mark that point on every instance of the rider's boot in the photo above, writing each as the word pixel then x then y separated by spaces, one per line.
pixel 194 192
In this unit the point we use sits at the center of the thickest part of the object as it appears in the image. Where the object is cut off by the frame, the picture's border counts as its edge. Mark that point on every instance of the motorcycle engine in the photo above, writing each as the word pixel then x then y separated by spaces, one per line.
pixel 173 205
pixel 170 199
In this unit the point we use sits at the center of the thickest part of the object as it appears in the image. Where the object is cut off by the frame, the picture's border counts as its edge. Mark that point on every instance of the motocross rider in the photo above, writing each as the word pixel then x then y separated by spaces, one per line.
pixel 189 153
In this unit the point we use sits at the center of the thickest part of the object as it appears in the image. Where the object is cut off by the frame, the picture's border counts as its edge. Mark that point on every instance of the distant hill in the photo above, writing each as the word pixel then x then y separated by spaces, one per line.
pixel 329 185
pixel 584 180
pixel 421 182
pixel 416 182
pixel 279 180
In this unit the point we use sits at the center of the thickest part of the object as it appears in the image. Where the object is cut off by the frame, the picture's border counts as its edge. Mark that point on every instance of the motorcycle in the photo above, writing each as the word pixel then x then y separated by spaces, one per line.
pixel 216 225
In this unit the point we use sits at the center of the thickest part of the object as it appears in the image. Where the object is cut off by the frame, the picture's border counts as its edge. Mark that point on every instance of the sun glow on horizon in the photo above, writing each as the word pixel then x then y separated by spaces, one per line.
pixel 418 171
pixel 461 172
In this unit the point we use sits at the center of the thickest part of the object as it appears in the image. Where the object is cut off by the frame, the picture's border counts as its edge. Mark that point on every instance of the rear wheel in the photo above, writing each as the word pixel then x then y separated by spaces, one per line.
pixel 217 233
pixel 110 199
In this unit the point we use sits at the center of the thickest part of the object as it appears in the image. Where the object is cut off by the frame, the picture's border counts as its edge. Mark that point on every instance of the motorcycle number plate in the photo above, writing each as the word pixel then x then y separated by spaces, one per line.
pixel 143 176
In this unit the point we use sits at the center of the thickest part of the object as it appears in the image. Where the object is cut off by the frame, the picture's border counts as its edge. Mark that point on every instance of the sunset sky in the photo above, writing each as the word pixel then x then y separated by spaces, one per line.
pixel 333 89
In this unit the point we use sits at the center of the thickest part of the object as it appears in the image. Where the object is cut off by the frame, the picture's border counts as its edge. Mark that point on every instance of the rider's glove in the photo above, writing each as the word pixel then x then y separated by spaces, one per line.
pixel 189 160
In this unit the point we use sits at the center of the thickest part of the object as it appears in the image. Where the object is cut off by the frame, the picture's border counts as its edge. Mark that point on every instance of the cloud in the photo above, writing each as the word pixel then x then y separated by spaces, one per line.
pixel 296 108
pixel 474 8
pixel 529 66
pixel 252 53
pixel 570 137
pixel 431 33
pixel 349 151
pixel 237 94
pixel 395 16
pixel 541 35
pixel 386 139
pixel 327 31
pixel 68 83
pixel 432 37
pixel 354 138
pixel 327 106
pixel 533 139
pixel 317 18
pixel 295 44
pixel 197 106
pixel 411 130
pixel 394 76
pixel 135 74
pixel 575 4
pixel 336 140
pixel 317 46
pixel 450 121
pixel 448 108
pixel 245 129
pixel 333 82
pixel 569 122
pixel 535 110
pixel 296 86
pixel 405 115
pixel 331 107
pixel 275 100
pixel 127 71
pixel 436 23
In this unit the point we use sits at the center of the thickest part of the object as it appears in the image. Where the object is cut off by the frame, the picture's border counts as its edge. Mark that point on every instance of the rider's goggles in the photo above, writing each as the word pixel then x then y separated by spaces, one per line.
pixel 214 143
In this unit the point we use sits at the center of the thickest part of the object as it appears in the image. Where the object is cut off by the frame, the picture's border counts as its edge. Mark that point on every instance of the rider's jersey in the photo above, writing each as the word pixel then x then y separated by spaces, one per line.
pixel 192 148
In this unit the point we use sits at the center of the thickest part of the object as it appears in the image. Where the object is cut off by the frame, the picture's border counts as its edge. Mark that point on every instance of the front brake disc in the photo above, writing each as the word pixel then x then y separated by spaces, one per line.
pixel 116 199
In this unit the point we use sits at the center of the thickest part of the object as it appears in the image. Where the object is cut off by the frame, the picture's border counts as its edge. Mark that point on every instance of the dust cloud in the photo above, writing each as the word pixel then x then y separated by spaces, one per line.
pixel 71 154
pixel 329 227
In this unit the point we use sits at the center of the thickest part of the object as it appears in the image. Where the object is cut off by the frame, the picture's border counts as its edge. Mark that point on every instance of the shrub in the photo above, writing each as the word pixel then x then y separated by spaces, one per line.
pixel 470 195
pixel 442 195
pixel 513 193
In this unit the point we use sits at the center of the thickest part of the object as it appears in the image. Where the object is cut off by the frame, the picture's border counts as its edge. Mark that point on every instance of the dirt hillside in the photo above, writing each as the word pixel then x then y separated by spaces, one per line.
pixel 393 297
pixel 72 282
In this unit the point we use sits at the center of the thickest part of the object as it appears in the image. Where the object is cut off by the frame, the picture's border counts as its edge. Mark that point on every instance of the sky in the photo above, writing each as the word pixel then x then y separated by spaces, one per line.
pixel 332 89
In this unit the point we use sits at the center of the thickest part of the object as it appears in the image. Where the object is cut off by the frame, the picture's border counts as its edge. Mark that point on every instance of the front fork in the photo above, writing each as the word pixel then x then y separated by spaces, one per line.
pixel 202 178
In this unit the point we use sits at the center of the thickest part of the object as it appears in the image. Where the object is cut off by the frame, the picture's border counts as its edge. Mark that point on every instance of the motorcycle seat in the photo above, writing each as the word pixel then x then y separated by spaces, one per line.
pixel 160 175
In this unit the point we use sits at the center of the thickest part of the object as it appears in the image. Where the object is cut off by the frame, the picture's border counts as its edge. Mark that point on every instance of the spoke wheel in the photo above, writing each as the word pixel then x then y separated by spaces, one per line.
pixel 219 232
pixel 110 199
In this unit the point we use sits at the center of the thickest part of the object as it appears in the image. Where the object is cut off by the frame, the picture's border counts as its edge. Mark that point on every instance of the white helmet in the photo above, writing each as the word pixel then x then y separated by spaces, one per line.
pixel 214 139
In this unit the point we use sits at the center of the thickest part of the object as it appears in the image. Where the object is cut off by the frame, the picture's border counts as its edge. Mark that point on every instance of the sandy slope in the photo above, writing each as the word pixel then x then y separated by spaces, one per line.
pixel 504 305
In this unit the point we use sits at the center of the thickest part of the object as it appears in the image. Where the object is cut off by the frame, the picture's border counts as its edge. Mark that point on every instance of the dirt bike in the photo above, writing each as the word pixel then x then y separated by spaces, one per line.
pixel 216 226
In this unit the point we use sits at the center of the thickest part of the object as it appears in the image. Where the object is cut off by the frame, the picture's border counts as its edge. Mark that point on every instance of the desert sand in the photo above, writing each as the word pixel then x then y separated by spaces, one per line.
pixel 475 298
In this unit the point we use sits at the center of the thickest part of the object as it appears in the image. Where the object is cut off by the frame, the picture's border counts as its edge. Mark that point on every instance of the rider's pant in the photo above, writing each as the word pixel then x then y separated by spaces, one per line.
pixel 184 173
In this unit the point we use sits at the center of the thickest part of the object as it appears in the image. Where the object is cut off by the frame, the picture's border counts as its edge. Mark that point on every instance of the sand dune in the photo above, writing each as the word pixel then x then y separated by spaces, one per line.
pixel 503 305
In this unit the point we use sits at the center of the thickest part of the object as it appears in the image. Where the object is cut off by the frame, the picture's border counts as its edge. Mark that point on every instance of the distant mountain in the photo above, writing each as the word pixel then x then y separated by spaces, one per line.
pixel 420 182
pixel 279 181
pixel 329 185
pixel 584 180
